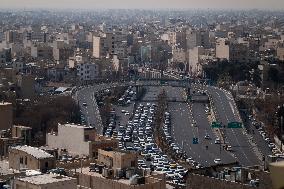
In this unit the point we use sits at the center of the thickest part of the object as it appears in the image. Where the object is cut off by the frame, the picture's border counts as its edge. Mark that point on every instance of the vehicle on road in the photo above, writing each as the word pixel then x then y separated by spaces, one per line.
pixel 217 160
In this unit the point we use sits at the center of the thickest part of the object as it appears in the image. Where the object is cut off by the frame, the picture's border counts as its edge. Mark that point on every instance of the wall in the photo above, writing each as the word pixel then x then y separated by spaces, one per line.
pixel 63 140
pixel 95 182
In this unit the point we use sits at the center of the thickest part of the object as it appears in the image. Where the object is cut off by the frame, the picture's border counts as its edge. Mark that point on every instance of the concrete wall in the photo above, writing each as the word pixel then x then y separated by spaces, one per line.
pixel 6 116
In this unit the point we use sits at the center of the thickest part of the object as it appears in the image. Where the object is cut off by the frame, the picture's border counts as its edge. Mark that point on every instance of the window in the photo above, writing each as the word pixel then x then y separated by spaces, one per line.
pixel 26 160
pixel 46 164
pixel 87 137
pixel 21 160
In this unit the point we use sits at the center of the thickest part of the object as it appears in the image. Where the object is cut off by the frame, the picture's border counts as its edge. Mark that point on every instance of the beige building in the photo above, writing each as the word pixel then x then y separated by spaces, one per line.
pixel 194 59
pixel 232 51
pixel 45 181
pixel 28 157
pixel 6 115
pixel 78 140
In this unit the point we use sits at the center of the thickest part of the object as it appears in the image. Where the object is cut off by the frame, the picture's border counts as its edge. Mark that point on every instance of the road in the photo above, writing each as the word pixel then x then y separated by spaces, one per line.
pixel 182 118
pixel 183 131
pixel 227 111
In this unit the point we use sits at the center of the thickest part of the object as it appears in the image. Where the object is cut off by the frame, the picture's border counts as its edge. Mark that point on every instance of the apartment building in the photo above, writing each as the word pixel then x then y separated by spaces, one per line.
pixel 42 51
pixel 231 50
pixel 196 38
pixel 87 71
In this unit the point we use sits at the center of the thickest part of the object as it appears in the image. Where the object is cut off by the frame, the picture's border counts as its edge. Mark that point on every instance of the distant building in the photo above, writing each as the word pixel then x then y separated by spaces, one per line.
pixel 5 56
pixel 62 51
pixel 196 38
pixel 26 83
pixel 19 131
pixel 45 181
pixel 84 140
pixel 6 115
pixel 231 50
pixel 27 157
pixel 87 71
pixel 280 53
pixel 194 59
pixel 41 51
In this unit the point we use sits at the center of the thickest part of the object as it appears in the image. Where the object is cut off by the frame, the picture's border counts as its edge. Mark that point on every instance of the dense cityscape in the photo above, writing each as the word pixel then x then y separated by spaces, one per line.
pixel 141 99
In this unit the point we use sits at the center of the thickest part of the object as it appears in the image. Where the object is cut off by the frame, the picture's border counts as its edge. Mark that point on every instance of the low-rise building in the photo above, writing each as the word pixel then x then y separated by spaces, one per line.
pixel 45 181
pixel 117 160
pixel 27 157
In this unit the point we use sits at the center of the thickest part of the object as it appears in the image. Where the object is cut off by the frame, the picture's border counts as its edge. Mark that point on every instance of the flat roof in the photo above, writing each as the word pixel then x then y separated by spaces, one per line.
pixel 36 152
pixel 46 179
pixel 76 126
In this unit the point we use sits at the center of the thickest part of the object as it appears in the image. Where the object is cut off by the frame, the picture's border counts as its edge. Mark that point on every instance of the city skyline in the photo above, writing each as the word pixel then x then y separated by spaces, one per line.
pixel 146 4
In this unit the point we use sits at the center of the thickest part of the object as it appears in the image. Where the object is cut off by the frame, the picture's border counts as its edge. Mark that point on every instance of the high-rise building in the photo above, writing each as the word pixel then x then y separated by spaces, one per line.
pixel 196 38
pixel 230 50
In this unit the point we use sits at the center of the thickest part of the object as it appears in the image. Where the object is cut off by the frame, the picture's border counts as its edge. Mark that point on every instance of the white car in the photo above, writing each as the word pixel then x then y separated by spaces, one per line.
pixel 217 160
pixel 217 141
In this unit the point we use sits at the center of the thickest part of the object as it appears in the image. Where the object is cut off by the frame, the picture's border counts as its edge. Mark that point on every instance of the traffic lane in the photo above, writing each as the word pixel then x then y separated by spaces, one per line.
pixel 242 148
pixel 235 137
pixel 183 132
pixel 204 128
pixel 89 111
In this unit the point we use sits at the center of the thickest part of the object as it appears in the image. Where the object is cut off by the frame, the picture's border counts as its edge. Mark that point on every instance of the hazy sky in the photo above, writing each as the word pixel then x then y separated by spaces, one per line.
pixel 92 4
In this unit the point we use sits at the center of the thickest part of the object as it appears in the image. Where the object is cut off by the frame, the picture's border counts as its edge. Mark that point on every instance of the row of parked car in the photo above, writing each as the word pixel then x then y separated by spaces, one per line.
pixel 174 146
pixel 275 151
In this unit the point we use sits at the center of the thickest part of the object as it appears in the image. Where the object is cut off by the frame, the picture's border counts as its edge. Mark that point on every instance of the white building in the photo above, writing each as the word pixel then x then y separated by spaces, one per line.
pixel 194 59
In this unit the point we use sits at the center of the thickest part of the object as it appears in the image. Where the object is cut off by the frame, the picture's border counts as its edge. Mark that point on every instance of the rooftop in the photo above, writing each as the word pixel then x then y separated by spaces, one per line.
pixel 45 179
pixel 75 126
pixel 36 152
